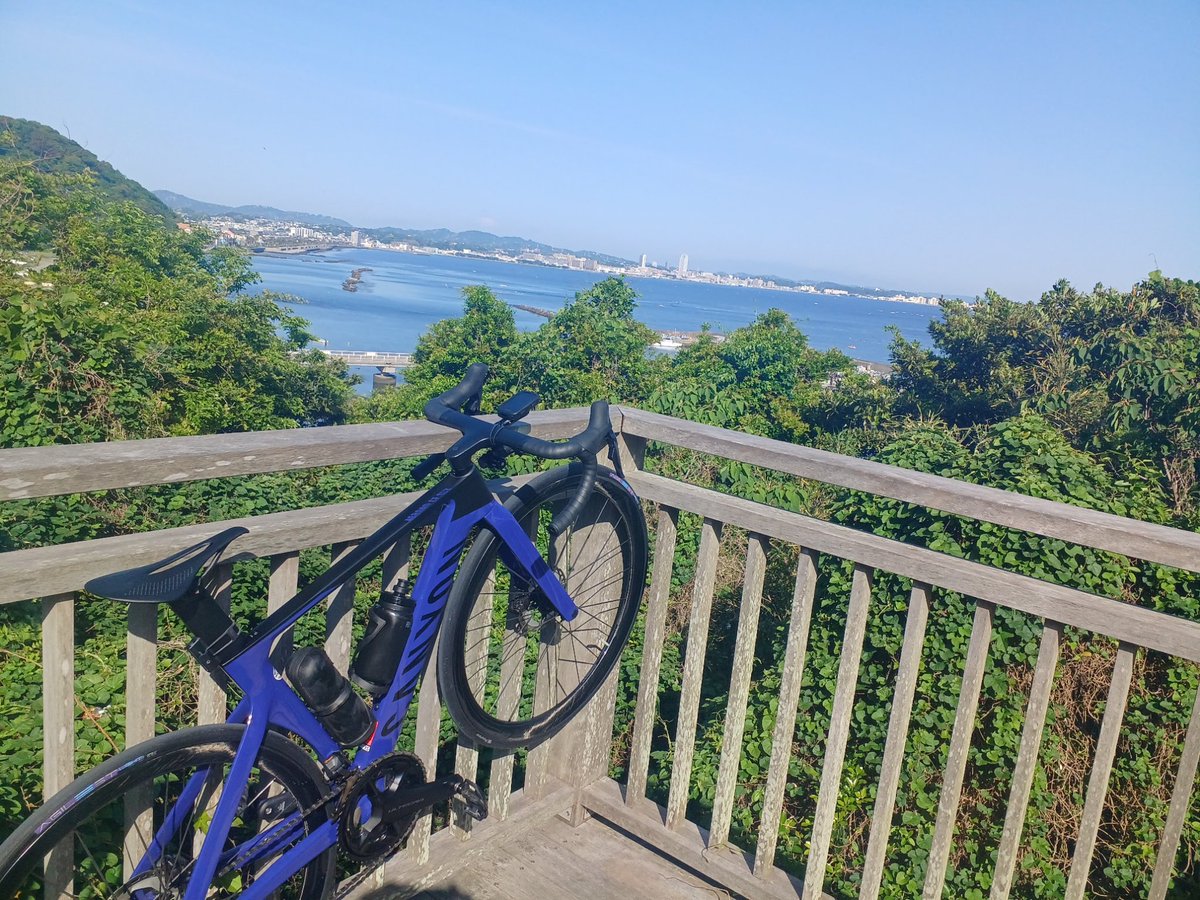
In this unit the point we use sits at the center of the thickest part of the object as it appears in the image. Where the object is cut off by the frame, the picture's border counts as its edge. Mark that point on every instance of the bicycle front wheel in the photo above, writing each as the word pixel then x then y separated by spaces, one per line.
pixel 94 838
pixel 511 670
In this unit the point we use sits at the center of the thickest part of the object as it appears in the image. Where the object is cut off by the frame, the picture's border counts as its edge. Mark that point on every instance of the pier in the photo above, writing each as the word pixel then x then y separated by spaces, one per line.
pixel 385 361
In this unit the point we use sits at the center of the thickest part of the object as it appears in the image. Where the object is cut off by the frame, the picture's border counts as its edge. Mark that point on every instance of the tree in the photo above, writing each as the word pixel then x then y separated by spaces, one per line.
pixel 763 378
pixel 592 348
pixel 138 329
pixel 483 333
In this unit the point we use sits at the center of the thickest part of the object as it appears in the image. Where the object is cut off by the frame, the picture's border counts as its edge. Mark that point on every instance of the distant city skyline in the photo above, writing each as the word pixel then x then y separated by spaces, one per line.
pixel 951 148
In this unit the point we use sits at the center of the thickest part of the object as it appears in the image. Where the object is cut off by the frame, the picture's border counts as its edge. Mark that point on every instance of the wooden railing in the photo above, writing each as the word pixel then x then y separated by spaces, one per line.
pixel 54 575
pixel 571 772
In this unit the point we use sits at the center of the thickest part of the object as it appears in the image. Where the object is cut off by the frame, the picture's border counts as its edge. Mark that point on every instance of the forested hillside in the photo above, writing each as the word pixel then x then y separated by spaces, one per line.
pixel 1086 397
pixel 50 152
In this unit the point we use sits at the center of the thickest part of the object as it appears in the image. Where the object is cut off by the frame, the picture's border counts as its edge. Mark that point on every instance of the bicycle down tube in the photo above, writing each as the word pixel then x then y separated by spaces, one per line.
pixel 461 504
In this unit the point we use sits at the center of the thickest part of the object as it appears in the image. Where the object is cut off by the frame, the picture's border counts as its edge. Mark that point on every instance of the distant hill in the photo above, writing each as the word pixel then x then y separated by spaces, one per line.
pixel 439 238
pixel 190 207
pixel 445 239
pixel 53 153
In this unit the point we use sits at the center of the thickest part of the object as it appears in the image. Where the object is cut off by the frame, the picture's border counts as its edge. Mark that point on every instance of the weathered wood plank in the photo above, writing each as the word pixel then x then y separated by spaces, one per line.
pixel 592 560
pixel 466 755
pixel 281 587
pixel 406 876
pixel 512 665
pixel 1097 789
pixel 58 723
pixel 657 599
pixel 631 449
pixel 1157 543
pixel 425 747
pixel 397 564
pixel 211 703
pixel 839 732
pixel 77 468
pixel 688 843
pixel 1122 621
pixel 785 715
pixel 1181 796
pixel 339 614
pixel 693 670
pixel 34 572
pixel 960 746
pixel 1031 742
pixel 897 739
pixel 739 688
pixel 540 759
pixel 140 704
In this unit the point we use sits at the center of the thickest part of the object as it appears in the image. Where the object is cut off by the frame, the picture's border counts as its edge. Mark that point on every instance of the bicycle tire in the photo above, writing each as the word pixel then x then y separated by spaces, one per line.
pixel 89 814
pixel 509 669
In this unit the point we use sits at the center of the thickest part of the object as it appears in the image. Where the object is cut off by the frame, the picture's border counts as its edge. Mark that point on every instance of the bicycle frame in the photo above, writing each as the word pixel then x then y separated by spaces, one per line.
pixel 456 506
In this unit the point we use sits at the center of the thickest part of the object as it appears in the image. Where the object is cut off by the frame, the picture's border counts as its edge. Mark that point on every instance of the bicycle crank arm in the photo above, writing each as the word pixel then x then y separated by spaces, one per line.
pixel 417 800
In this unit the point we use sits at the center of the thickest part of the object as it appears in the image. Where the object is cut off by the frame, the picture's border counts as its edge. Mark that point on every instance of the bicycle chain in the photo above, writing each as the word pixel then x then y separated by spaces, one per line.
pixel 339 788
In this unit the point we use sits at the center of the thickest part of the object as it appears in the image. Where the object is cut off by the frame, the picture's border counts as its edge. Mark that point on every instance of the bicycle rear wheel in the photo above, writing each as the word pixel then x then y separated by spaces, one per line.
pixel 94 838
pixel 511 670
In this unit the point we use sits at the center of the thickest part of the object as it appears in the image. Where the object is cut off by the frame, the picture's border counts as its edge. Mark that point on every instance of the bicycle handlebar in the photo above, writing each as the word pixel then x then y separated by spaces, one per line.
pixel 447 409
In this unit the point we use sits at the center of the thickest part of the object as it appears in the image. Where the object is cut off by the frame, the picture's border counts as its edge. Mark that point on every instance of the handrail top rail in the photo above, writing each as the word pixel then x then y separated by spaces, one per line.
pixel 77 468
pixel 53 470
pixel 1049 518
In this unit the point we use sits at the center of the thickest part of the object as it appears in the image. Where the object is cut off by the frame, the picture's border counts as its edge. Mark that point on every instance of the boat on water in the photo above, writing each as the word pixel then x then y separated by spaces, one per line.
pixel 666 342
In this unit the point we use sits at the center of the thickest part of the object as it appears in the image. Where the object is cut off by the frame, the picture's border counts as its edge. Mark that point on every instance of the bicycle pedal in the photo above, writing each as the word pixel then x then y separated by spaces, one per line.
pixel 472 799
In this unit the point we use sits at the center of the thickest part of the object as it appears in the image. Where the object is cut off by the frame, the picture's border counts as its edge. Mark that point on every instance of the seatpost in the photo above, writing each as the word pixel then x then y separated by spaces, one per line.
pixel 217 637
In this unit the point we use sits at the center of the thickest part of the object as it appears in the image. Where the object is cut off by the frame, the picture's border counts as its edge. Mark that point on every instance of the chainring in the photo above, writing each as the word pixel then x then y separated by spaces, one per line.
pixel 375 837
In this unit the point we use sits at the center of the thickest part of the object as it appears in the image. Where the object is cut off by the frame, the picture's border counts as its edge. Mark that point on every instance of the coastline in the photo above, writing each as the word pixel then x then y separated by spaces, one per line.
pixel 601 271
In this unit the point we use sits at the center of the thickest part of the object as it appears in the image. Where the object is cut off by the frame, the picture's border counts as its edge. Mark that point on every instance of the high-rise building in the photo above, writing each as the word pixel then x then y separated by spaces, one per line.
pixel 682 270
pixel 355 238
pixel 643 262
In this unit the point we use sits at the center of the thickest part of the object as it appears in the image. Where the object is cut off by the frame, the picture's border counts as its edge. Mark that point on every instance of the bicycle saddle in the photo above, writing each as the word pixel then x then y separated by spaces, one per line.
pixel 167 580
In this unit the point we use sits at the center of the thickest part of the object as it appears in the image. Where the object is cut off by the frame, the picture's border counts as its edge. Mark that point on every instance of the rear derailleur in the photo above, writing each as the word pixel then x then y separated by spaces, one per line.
pixel 380 806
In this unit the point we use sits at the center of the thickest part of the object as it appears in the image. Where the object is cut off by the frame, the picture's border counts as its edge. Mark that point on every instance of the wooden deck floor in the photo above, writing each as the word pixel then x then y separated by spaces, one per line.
pixel 554 860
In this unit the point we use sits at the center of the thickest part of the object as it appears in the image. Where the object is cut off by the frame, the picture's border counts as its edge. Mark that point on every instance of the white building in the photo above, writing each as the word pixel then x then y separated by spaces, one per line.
pixel 683 261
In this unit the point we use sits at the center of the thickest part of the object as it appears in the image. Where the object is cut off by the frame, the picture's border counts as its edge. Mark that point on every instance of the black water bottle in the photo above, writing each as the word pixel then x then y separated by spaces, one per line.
pixel 379 651
pixel 329 695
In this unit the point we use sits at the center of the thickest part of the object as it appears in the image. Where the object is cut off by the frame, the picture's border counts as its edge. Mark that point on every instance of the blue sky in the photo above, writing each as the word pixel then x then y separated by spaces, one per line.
pixel 931 146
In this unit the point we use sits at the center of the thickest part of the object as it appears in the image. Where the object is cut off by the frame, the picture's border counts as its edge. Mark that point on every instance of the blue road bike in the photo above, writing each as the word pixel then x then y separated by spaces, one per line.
pixel 533 599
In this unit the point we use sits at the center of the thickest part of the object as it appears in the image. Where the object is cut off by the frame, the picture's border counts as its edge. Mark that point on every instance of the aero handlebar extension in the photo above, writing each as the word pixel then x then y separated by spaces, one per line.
pixel 447 409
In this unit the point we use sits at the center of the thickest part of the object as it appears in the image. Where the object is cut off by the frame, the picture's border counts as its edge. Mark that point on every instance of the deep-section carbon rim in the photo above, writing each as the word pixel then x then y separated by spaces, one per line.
pixel 94 832
pixel 511 671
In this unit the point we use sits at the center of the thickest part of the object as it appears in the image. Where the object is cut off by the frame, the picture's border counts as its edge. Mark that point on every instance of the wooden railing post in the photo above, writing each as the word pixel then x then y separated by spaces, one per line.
pixel 658 598
pixel 960 746
pixel 582 752
pixel 1031 742
pixel 839 733
pixel 58 723
pixel 211 706
pixel 1097 789
pixel 140 684
pixel 785 715
pixel 339 616
pixel 693 671
pixel 897 738
pixel 739 689
pixel 1181 795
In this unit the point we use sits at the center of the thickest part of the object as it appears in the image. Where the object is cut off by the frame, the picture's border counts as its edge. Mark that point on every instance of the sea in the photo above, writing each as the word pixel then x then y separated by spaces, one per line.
pixel 404 293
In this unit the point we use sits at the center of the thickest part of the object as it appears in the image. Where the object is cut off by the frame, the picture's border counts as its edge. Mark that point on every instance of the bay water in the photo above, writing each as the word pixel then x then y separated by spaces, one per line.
pixel 404 293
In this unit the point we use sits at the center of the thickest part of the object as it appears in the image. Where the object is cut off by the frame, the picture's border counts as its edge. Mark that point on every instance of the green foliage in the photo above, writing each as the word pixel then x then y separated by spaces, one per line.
pixel 763 379
pixel 483 333
pixel 1116 372
pixel 590 349
pixel 53 154
pixel 137 330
